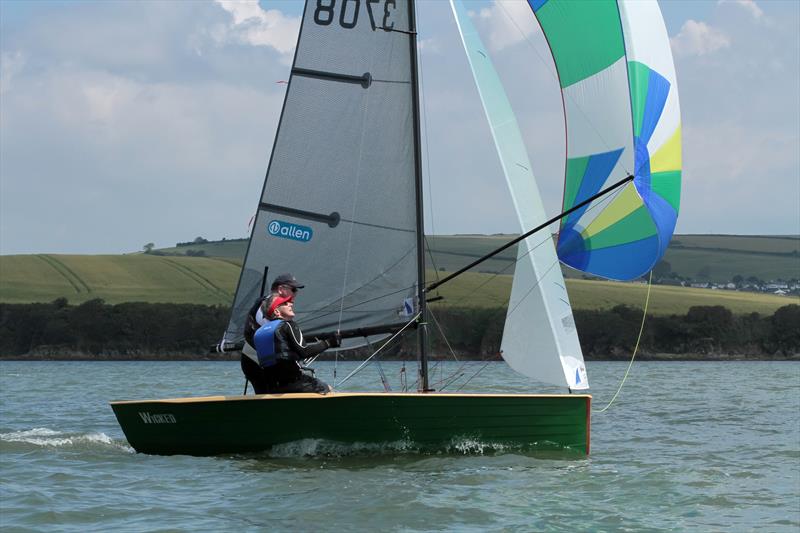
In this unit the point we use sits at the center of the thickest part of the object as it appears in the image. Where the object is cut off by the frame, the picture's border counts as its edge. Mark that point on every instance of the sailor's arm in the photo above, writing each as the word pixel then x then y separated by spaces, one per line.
pixel 300 350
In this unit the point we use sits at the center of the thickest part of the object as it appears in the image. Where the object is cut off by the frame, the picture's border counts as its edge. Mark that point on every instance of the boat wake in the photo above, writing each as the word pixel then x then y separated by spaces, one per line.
pixel 48 438
pixel 330 448
pixel 456 446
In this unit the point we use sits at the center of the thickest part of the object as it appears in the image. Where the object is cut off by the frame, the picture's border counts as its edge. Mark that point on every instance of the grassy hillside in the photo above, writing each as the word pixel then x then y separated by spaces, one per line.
pixel 486 290
pixel 206 280
pixel 117 278
pixel 744 243
pixel 716 258
pixel 232 249
pixel 721 257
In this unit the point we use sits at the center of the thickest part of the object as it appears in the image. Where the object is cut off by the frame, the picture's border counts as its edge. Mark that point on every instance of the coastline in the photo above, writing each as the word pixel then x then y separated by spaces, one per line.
pixel 642 356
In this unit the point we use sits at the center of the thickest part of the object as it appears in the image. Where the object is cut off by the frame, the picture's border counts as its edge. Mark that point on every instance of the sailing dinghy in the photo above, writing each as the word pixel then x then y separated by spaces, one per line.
pixel 341 209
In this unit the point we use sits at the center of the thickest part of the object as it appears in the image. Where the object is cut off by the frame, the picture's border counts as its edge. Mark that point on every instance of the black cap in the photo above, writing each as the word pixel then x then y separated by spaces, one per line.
pixel 286 279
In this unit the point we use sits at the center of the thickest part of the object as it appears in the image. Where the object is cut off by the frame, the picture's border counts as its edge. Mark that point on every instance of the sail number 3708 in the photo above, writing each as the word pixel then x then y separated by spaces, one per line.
pixel 348 11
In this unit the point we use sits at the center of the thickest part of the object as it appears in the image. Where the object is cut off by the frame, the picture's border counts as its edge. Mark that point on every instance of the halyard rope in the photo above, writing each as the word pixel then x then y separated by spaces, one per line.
pixel 635 348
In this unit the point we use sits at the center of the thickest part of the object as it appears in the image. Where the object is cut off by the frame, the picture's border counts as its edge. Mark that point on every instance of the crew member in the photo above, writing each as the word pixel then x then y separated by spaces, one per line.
pixel 283 286
pixel 281 348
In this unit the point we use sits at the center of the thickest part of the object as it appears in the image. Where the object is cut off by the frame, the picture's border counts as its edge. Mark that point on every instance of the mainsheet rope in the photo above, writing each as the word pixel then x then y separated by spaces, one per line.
pixel 635 348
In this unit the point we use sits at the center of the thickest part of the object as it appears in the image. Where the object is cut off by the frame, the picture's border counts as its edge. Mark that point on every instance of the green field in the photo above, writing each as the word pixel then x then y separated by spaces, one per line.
pixel 233 249
pixel 117 278
pixel 449 253
pixel 744 243
pixel 705 265
pixel 721 257
pixel 208 280
pixel 589 295
pixel 716 258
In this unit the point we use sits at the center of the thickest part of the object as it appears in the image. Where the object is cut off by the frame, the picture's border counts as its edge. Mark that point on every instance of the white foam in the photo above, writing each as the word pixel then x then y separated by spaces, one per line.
pixel 473 446
pixel 322 447
pixel 46 437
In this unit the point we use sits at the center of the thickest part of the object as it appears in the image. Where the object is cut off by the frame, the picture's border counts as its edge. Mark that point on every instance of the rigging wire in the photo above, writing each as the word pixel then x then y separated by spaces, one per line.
pixel 444 337
pixel 364 363
pixel 384 380
pixel 427 160
pixel 320 313
pixel 495 275
pixel 476 373
pixel 509 313
pixel 636 348
pixel 491 278
pixel 455 375
pixel 599 205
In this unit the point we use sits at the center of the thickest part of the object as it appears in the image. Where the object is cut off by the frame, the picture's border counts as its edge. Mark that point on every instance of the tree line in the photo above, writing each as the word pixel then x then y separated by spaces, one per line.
pixel 96 330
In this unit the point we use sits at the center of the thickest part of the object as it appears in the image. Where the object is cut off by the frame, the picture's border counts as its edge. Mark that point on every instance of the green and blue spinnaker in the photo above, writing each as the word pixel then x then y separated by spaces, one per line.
pixel 622 117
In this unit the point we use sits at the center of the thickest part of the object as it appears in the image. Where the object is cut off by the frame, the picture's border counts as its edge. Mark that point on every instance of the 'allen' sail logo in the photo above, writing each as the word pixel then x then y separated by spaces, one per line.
pixel 158 418
pixel 286 230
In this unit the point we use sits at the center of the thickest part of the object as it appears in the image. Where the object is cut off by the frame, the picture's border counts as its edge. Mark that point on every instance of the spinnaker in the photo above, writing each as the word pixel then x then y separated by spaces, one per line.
pixel 622 117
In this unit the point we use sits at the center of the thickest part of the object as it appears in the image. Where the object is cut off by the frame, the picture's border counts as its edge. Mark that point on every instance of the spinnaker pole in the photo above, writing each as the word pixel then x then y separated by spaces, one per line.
pixel 524 236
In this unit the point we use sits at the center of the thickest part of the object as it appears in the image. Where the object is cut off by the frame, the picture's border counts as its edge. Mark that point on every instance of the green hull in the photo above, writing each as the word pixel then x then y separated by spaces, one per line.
pixel 233 424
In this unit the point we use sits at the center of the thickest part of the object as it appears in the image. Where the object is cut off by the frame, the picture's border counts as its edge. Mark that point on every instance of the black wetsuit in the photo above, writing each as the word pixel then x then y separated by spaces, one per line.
pixel 285 375
pixel 251 324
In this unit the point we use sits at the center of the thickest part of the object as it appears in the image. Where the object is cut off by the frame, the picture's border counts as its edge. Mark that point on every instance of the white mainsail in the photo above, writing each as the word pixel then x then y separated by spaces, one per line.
pixel 539 340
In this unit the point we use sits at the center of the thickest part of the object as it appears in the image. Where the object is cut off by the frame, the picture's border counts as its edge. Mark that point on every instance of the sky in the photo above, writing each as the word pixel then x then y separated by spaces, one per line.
pixel 125 123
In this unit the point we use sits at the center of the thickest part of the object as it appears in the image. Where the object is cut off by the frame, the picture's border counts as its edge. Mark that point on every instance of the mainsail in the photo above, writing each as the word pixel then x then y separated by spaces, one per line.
pixel 340 184
pixel 539 339
pixel 622 118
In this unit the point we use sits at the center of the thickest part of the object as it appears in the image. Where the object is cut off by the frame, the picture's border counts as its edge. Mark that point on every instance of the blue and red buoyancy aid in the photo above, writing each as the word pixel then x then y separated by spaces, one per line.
pixel 264 340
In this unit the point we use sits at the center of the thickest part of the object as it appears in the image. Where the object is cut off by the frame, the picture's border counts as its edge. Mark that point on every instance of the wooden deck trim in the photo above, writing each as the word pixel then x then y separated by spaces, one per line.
pixel 315 396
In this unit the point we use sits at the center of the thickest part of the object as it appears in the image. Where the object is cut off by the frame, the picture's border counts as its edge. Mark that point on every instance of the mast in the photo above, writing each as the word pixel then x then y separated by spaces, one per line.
pixel 422 330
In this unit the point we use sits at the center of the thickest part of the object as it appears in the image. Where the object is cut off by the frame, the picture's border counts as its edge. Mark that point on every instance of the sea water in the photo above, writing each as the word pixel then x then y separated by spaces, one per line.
pixel 686 446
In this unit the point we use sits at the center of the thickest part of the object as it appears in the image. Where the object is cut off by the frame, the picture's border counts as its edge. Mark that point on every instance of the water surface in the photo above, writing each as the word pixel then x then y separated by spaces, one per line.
pixel 687 446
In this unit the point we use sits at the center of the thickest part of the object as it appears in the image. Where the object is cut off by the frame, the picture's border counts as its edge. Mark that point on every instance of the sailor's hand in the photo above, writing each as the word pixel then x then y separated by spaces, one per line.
pixel 335 341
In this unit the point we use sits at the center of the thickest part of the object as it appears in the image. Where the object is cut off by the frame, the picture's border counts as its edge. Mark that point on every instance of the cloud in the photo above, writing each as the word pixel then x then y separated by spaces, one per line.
pixel 110 141
pixel 758 179
pixel 10 65
pixel 748 5
pixel 741 113
pixel 508 23
pixel 698 38
pixel 125 161
pixel 258 27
